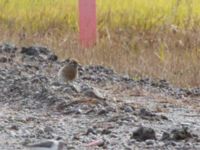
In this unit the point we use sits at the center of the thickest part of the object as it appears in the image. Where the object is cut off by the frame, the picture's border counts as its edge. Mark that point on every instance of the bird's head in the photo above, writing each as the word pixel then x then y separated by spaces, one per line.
pixel 74 63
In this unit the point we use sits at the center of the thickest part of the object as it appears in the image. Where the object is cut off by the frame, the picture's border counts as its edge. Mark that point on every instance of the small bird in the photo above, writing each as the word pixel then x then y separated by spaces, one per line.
pixel 69 72
pixel 47 145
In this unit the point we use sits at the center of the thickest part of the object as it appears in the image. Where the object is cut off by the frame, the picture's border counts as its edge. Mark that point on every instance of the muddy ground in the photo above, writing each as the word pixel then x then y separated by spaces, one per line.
pixel 101 105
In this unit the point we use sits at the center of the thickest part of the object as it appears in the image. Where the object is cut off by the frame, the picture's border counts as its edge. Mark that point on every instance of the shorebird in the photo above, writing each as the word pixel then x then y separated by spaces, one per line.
pixel 47 145
pixel 69 72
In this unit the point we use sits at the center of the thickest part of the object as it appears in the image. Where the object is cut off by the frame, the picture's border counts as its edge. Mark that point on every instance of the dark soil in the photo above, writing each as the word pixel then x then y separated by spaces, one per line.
pixel 101 105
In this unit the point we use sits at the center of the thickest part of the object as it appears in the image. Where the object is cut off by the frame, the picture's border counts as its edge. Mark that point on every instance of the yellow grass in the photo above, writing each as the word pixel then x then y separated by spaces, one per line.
pixel 37 15
pixel 142 38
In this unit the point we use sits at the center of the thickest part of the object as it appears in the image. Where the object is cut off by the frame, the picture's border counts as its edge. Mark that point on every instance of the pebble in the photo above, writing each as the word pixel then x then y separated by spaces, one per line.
pixel 143 133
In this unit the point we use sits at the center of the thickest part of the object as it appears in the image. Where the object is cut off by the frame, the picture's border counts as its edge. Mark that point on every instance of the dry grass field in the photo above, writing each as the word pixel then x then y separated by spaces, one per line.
pixel 141 38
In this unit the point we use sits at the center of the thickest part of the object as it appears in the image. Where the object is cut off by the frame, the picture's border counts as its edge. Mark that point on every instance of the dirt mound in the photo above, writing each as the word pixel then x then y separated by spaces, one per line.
pixel 100 105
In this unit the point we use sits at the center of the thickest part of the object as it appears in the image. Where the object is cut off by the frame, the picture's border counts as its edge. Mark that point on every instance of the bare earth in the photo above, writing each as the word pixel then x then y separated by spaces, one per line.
pixel 101 105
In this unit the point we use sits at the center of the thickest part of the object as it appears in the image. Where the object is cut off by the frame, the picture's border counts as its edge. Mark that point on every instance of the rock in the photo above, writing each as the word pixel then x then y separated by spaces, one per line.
pixel 163 117
pixel 106 131
pixel 48 129
pixel 102 111
pixel 127 79
pixel 2 128
pixel 93 93
pixel 99 69
pixel 91 130
pixel 30 51
pixel 150 142
pixel 52 57
pixel 165 136
pixel 144 114
pixel 72 111
pixel 145 81
pixel 194 92
pixel 171 143
pixel 143 133
pixel 14 127
pixel 78 111
pixel 68 88
pixel 127 108
pixel 42 50
pixel 178 134
pixel 8 48
pixel 35 50
pixel 4 59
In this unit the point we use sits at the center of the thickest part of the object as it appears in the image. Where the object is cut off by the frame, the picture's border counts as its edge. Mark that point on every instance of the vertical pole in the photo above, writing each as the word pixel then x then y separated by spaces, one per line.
pixel 87 22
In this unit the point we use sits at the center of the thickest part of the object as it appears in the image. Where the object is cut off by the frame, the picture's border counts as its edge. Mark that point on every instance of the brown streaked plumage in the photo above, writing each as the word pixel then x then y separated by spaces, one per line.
pixel 69 72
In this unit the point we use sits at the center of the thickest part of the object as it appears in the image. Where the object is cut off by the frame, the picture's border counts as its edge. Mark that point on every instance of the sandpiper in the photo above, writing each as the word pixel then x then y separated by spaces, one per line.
pixel 69 72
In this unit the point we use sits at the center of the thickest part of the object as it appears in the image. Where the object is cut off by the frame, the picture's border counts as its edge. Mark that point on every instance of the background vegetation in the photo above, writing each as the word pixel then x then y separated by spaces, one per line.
pixel 141 38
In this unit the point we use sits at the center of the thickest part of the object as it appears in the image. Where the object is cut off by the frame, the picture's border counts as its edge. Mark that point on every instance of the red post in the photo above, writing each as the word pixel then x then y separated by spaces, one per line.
pixel 87 22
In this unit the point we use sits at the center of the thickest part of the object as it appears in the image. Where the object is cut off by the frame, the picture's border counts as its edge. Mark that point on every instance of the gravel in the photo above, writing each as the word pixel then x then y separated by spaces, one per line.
pixel 100 110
